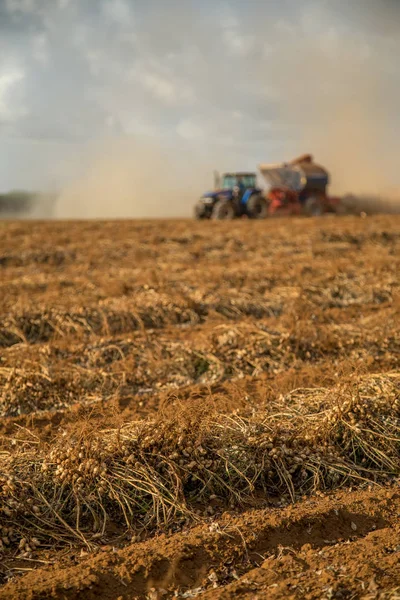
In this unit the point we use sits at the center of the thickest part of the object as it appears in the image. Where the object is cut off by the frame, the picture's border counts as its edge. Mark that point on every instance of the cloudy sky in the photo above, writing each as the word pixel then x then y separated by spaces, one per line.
pixel 224 82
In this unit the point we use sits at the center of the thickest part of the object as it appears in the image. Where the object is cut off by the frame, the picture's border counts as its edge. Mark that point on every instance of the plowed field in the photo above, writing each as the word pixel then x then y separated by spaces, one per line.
pixel 194 409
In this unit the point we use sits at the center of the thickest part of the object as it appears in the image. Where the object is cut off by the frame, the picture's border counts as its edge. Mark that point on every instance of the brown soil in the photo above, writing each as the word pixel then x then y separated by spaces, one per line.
pixel 340 546
pixel 108 324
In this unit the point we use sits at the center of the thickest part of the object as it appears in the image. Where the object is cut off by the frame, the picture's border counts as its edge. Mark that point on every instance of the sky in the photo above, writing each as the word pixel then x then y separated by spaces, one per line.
pixel 137 101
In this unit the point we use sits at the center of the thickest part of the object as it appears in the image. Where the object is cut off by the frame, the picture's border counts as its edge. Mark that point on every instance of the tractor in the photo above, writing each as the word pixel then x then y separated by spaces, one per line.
pixel 295 188
pixel 235 195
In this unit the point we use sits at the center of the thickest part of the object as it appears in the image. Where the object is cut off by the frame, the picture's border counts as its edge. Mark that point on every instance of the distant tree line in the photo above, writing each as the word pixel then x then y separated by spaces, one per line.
pixel 16 199
pixel 21 202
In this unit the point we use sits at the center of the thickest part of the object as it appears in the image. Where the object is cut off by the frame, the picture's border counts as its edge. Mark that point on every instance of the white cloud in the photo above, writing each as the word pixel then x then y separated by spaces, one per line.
pixel 161 87
pixel 227 18
pixel 80 35
pixel 238 45
pixel 118 11
pixel 188 129
pixel 223 128
pixel 133 125
pixel 267 49
pixel 40 49
pixel 162 82
pixel 22 6
pixel 237 115
pixel 95 61
pixel 284 28
pixel 10 111
pixel 235 41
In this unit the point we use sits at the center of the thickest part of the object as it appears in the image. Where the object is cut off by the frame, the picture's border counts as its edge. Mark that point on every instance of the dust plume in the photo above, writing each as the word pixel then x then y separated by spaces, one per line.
pixel 341 96
pixel 138 177
pixel 124 178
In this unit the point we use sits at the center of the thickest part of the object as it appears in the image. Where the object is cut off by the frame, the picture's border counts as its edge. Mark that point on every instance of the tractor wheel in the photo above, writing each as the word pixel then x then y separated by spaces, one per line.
pixel 199 211
pixel 257 207
pixel 223 211
pixel 313 207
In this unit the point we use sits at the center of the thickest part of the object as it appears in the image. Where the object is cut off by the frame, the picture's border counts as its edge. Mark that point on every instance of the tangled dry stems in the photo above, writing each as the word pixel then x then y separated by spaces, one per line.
pixel 152 361
pixel 155 474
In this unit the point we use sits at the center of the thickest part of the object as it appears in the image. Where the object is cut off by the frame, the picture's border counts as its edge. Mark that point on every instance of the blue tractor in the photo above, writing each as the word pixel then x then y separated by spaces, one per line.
pixel 235 195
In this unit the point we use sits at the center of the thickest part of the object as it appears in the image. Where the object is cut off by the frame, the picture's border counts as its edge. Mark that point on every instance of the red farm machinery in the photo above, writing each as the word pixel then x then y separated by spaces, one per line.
pixel 299 187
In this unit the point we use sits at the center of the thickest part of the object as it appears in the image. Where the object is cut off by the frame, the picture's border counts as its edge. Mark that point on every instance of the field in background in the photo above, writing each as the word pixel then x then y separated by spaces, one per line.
pixel 30 205
pixel 200 409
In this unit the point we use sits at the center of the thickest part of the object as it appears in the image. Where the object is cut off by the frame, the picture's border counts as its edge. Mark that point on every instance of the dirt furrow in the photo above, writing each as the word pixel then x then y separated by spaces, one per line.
pixel 276 543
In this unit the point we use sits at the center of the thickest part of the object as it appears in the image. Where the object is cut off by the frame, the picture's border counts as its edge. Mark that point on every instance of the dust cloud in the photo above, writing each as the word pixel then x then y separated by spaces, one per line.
pixel 341 98
pixel 125 178
pixel 141 178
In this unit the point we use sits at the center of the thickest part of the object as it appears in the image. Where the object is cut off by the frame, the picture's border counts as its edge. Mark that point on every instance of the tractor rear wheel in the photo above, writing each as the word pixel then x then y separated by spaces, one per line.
pixel 223 210
pixel 257 207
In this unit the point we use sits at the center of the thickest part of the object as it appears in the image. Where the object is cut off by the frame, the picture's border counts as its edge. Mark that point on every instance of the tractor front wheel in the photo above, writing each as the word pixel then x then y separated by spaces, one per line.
pixel 223 210
pixel 257 207
pixel 200 211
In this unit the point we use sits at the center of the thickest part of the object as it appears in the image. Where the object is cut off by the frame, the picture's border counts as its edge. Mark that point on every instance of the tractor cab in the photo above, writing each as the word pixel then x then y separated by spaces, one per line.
pixel 230 181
